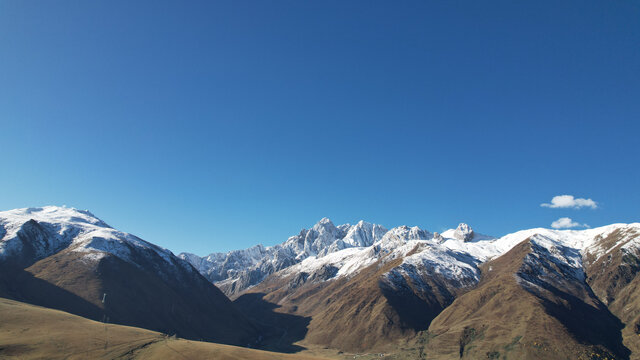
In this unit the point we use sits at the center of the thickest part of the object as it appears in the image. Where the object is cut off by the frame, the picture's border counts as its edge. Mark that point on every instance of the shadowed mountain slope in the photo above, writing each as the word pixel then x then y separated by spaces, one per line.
pixel 525 295
pixel 359 313
pixel 32 332
pixel 612 272
pixel 70 260
pixel 527 307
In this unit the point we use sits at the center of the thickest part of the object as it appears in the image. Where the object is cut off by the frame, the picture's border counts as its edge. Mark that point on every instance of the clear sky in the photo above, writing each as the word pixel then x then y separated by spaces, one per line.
pixel 212 125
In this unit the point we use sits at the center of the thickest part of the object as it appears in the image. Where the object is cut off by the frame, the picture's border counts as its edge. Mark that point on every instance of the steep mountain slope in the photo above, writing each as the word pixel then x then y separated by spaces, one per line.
pixel 457 284
pixel 358 313
pixel 611 265
pixel 33 332
pixel 368 298
pixel 532 303
pixel 70 260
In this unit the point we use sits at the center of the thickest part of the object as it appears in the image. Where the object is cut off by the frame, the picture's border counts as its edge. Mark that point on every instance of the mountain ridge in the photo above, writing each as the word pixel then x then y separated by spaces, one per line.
pixel 238 270
pixel 411 268
pixel 70 260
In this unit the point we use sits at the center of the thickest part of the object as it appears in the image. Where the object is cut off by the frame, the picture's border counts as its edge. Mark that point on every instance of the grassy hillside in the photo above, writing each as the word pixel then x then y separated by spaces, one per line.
pixel 33 332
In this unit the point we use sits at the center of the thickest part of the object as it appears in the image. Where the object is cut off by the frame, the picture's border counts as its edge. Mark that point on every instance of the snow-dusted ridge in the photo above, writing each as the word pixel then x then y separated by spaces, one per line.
pixel 324 252
pixel 51 229
pixel 343 250
pixel 347 248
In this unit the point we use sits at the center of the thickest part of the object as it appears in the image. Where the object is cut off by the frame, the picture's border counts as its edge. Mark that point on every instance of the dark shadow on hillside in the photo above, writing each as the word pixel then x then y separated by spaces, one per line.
pixel 20 285
pixel 591 325
pixel 187 306
pixel 279 331
pixel 415 313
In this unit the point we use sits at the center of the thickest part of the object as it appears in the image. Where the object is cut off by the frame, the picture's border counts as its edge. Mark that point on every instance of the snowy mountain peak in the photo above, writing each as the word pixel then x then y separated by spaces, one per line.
pixel 54 214
pixel 364 234
pixel 401 234
pixel 327 244
pixel 30 234
pixel 463 232
pixel 324 222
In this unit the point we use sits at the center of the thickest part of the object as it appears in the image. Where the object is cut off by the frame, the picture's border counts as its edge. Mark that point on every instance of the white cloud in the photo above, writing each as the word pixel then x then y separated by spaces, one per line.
pixel 566 223
pixel 568 201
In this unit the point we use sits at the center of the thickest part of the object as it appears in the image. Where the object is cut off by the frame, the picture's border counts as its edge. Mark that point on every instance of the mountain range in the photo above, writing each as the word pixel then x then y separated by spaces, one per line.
pixel 406 291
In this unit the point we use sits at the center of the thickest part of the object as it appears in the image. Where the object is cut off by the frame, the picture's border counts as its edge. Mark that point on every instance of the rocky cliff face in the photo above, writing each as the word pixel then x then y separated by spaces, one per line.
pixel 238 270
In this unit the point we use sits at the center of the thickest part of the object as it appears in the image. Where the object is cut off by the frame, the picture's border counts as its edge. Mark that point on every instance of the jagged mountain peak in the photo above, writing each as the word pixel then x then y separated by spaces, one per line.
pixel 463 232
pixel 351 247
pixel 404 233
pixel 323 243
pixel 365 224
pixel 325 220
pixel 238 270
pixel 364 234
pixel 325 224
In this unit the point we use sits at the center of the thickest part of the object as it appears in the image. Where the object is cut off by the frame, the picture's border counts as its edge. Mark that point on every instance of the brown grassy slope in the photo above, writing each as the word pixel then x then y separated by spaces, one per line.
pixel 351 314
pixel 502 318
pixel 614 280
pixel 185 304
pixel 32 332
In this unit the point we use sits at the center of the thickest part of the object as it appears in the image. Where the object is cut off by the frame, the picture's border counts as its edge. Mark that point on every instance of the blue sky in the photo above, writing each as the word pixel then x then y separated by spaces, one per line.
pixel 213 125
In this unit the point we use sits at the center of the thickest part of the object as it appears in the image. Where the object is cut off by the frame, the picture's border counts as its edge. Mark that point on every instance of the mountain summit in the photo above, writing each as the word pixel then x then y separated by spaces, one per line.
pixel 108 275
pixel 463 232
pixel 238 270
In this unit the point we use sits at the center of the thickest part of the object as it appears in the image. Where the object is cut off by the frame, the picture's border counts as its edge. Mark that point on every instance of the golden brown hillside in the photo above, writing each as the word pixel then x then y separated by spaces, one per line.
pixel 613 278
pixel 182 303
pixel 355 314
pixel 33 332
pixel 515 313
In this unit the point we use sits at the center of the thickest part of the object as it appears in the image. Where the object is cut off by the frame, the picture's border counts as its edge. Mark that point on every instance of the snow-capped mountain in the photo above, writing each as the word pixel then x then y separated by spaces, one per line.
pixel 455 254
pixel 553 295
pixel 70 260
pixel 330 273
pixel 31 234
pixel 347 248
pixel 238 270
pixel 371 296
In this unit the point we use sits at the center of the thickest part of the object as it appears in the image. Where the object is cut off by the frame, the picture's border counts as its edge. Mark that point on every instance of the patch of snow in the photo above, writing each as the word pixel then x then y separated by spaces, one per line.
pixel 95 256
